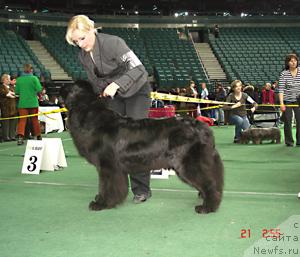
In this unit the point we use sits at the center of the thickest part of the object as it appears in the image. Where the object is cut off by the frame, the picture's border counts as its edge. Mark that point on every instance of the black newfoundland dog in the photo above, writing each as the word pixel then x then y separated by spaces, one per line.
pixel 117 146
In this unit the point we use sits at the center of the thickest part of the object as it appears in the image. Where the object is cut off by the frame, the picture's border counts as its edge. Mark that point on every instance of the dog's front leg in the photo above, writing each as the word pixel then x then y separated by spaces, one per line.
pixel 98 204
pixel 113 189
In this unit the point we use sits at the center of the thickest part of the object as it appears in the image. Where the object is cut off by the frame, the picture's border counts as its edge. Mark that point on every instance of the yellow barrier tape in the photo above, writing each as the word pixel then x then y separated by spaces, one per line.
pixel 278 105
pixel 164 97
pixel 177 98
pixel 36 114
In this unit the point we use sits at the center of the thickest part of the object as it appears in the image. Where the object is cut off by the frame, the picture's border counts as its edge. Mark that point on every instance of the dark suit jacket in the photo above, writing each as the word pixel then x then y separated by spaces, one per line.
pixel 8 105
pixel 114 62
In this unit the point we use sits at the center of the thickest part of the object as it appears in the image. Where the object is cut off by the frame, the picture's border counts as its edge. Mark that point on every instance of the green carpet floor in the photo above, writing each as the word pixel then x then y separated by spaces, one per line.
pixel 47 215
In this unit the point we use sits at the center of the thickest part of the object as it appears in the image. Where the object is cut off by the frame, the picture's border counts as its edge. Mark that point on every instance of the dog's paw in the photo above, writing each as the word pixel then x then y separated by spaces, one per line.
pixel 99 198
pixel 95 206
pixel 202 210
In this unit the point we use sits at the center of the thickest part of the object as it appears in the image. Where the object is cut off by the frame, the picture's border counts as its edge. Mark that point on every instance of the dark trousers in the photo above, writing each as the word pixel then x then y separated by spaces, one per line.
pixel 9 129
pixel 136 107
pixel 287 119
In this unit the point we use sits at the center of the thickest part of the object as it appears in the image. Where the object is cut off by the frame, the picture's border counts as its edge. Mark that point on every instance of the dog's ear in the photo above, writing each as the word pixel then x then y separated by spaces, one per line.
pixel 79 85
pixel 86 85
pixel 65 90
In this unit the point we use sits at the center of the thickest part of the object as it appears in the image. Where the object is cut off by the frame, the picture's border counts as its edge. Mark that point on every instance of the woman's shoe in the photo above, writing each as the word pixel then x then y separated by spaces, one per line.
pixel 237 141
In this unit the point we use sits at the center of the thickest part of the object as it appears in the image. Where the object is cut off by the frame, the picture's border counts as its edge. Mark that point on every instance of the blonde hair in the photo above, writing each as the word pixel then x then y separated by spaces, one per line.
pixel 5 76
pixel 27 68
pixel 78 22
pixel 235 83
pixel 192 82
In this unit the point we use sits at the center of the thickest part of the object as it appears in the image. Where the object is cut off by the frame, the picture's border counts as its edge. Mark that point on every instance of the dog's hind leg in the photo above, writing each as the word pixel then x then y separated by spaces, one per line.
pixel 211 199
pixel 113 189
pixel 214 195
pixel 207 190
pixel 206 175
pixel 211 191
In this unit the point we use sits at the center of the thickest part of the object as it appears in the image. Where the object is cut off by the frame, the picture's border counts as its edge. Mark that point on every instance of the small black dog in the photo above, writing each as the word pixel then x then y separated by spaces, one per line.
pixel 118 146
pixel 258 135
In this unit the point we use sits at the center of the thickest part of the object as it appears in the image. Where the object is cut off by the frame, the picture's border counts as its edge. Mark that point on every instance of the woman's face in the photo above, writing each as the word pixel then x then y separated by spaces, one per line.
pixel 293 63
pixel 238 88
pixel 268 86
pixel 6 81
pixel 13 81
pixel 84 39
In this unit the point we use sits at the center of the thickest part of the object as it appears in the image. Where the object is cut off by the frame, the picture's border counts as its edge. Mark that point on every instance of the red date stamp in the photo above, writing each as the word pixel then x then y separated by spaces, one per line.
pixel 265 233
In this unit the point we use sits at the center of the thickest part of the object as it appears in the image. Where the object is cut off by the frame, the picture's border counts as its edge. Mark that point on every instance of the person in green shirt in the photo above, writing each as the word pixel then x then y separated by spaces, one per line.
pixel 27 87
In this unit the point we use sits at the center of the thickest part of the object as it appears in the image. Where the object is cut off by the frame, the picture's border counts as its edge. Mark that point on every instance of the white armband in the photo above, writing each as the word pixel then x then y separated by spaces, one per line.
pixel 131 59
pixel 250 100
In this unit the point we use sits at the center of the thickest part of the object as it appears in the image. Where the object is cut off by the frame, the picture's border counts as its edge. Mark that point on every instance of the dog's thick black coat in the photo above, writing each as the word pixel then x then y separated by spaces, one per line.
pixel 118 146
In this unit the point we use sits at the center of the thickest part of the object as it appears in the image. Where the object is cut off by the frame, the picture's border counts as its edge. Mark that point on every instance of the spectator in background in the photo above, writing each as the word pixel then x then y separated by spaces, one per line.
pixel 289 94
pixel 221 97
pixel 27 88
pixel 267 94
pixel 204 91
pixel 238 112
pixel 275 89
pixel 13 81
pixel 275 86
pixel 204 96
pixel 249 90
pixel 12 86
pixel 43 97
pixel 216 31
pixel 253 92
pixel 182 105
pixel 257 95
pixel 191 91
pixel 8 109
pixel 175 91
pixel 28 128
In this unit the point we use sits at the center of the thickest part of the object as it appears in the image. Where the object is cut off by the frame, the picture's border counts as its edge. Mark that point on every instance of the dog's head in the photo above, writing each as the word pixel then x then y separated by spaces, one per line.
pixel 245 136
pixel 79 92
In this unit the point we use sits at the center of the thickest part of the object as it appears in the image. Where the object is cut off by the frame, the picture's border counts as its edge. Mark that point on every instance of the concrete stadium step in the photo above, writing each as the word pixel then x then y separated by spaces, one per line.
pixel 210 62
pixel 57 72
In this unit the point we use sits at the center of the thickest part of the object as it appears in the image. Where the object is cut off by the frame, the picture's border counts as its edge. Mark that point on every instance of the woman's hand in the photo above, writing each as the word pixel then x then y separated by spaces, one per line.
pixel 238 104
pixel 11 94
pixel 282 107
pixel 252 109
pixel 111 90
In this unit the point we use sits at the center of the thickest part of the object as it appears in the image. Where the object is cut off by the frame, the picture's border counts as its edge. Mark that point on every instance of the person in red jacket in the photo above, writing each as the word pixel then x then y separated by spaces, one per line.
pixel 267 94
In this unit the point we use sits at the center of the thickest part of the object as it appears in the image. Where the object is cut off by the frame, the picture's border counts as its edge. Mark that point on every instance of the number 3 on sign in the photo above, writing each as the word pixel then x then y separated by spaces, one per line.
pixel 32 166
pixel 33 157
